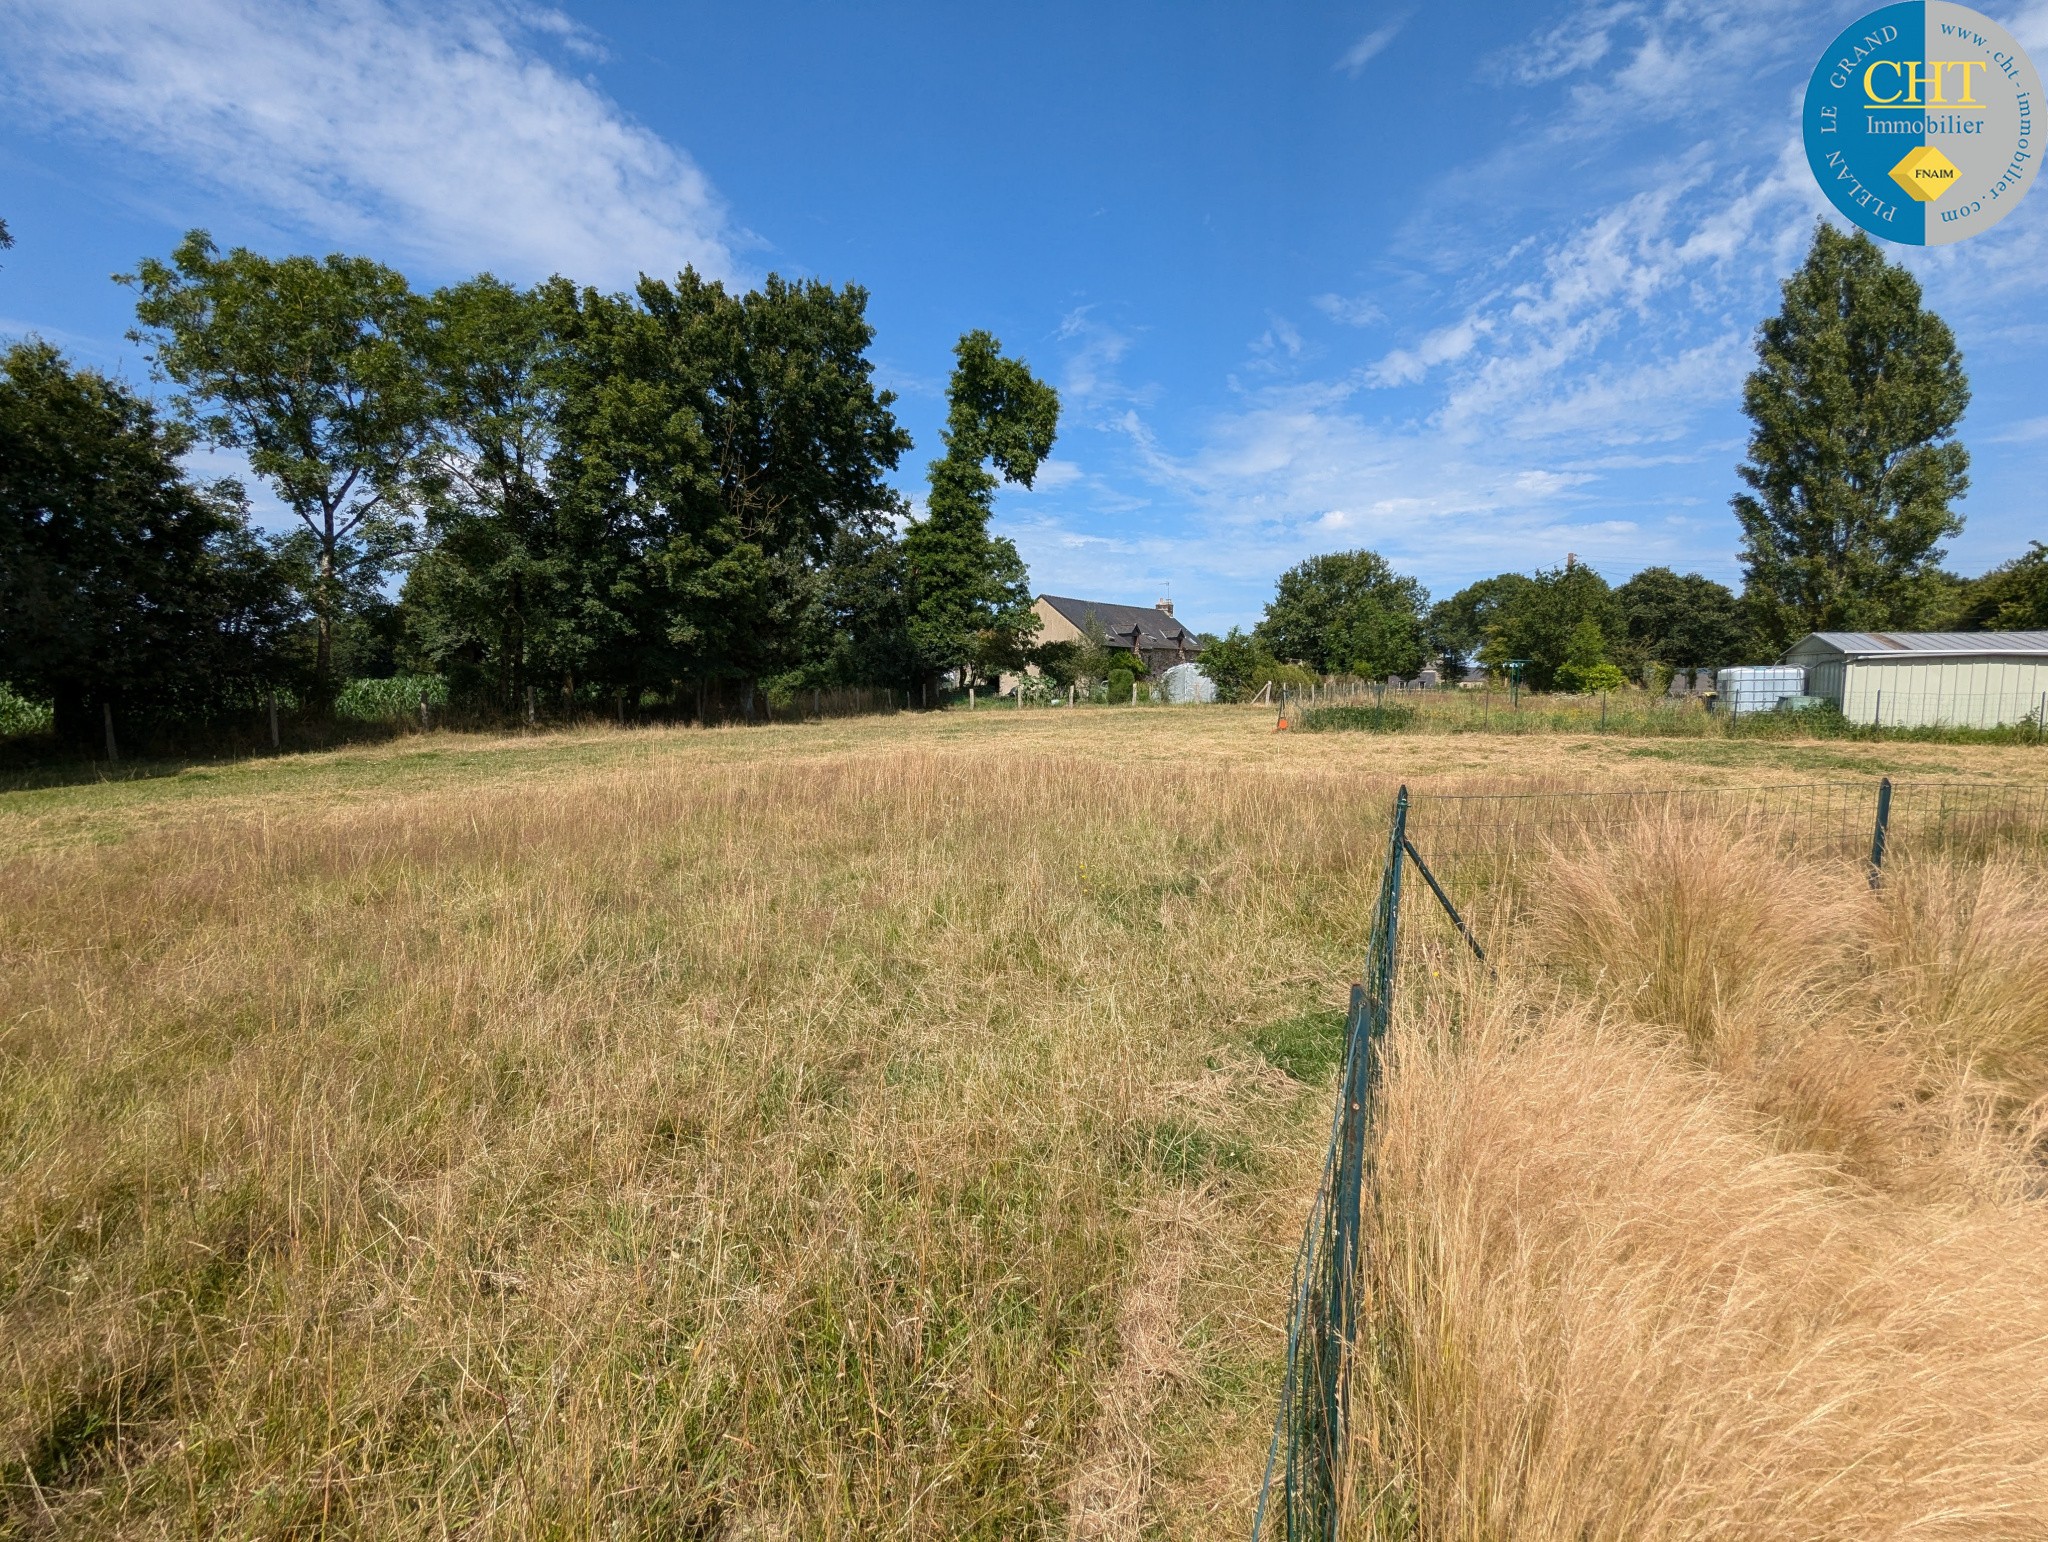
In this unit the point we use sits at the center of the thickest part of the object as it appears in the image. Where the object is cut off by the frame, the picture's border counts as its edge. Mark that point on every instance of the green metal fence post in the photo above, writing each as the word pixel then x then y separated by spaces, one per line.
pixel 1881 832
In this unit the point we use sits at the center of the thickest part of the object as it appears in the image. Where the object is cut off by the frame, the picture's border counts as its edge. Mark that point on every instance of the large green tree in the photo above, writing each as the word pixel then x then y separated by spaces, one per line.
pixel 860 625
pixel 1456 629
pixel 712 448
pixel 1853 466
pixel 1346 613
pixel 2012 597
pixel 970 603
pixel 485 603
pixel 1686 621
pixel 1543 622
pixel 314 369
pixel 123 586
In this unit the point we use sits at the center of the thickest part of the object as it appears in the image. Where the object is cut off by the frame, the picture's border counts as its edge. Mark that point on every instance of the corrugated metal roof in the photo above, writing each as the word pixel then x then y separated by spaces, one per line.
pixel 1891 644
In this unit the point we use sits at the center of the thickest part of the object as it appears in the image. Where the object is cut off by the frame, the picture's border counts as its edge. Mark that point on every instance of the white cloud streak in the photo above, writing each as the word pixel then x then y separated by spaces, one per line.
pixel 1370 47
pixel 439 134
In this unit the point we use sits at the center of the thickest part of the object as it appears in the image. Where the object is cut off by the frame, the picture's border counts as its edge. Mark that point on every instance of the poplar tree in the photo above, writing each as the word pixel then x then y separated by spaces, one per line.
pixel 970 599
pixel 1853 464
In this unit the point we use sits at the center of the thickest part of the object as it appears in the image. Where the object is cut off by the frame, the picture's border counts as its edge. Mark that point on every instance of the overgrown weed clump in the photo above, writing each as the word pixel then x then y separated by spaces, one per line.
pixel 1719 1212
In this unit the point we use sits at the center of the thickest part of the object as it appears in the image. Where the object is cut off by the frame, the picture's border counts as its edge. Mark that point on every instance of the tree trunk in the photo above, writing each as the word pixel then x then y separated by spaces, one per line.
pixel 323 653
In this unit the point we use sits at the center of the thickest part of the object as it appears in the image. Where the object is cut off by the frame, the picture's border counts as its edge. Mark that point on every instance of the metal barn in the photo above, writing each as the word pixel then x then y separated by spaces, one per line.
pixel 1914 679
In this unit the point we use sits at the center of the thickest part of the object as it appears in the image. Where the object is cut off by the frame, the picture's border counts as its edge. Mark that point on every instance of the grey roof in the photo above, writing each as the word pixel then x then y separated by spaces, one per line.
pixel 1953 644
pixel 1153 628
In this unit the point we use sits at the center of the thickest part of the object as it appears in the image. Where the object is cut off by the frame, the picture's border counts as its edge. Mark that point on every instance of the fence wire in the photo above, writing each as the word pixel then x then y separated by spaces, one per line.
pixel 1461 844
pixel 1300 1496
pixel 1461 832
pixel 2008 701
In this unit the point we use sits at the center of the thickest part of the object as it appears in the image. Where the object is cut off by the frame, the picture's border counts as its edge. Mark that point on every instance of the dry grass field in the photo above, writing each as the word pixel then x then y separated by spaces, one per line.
pixel 903 1127
pixel 1721 1212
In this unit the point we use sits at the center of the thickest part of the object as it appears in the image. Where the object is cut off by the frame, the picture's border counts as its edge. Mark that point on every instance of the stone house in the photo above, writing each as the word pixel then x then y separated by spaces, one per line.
pixel 1151 632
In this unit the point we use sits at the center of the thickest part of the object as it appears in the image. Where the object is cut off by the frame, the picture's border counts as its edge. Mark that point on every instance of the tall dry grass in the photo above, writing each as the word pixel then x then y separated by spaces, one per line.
pixel 856 1146
pixel 1721 1214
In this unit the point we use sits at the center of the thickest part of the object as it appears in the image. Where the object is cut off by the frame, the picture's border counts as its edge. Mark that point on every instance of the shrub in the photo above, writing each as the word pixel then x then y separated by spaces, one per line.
pixel 1120 682
pixel 1602 676
pixel 20 717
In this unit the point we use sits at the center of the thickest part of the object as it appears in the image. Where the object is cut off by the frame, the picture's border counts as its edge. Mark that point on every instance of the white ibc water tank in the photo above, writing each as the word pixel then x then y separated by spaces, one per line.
pixel 1186 682
pixel 1759 687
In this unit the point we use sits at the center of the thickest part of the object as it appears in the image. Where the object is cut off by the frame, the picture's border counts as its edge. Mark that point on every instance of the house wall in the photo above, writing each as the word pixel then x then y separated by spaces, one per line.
pixel 1907 692
pixel 1052 626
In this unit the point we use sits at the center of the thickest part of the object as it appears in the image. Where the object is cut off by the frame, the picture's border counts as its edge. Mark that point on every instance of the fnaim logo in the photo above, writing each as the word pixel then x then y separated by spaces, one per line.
pixel 1922 122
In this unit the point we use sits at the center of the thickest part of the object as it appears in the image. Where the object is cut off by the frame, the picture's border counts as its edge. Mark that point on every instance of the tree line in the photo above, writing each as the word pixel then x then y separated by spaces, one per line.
pixel 678 495
pixel 1851 479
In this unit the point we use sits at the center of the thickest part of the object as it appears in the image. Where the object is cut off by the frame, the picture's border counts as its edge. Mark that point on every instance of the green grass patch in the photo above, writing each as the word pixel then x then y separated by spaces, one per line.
pixel 1308 1047
pixel 1184 1152
pixel 1379 720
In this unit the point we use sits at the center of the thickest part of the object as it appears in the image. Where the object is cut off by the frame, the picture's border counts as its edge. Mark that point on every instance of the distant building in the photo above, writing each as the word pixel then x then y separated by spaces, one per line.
pixel 1151 632
pixel 1913 679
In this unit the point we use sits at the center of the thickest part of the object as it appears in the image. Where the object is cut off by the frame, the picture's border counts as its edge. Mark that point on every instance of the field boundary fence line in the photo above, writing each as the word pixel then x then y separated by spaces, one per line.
pixel 1477 836
pixel 1303 1480
pixel 1475 840
pixel 2010 703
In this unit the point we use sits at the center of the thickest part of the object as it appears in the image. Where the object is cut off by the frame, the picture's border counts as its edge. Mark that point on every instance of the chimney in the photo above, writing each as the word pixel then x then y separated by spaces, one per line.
pixel 1165 605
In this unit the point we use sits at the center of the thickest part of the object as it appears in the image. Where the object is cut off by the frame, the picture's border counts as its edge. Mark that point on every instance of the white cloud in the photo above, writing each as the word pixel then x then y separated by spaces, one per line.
pixel 441 134
pixel 1577 43
pixel 1095 349
pixel 1657 400
pixel 1370 47
pixel 2026 431
pixel 1054 475
pixel 2030 26
pixel 1348 310
pixel 1280 339
pixel 1405 366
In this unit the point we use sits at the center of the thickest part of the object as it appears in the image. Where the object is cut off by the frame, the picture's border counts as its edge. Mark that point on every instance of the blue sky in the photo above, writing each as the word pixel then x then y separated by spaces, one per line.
pixel 1470 284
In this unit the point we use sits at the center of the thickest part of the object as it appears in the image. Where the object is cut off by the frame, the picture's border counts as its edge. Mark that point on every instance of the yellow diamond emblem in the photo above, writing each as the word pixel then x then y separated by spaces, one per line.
pixel 1925 173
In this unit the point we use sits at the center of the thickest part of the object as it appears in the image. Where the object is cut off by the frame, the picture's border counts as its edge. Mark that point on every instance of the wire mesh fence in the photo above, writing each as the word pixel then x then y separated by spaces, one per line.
pixel 1464 846
pixel 1299 1497
pixel 2004 707
pixel 1463 832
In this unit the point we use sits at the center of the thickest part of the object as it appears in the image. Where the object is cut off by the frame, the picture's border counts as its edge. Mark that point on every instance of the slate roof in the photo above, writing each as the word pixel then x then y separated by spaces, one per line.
pixel 1154 628
pixel 1867 645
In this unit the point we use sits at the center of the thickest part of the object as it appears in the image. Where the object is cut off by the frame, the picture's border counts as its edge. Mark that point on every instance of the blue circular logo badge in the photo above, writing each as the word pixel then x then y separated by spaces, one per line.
pixel 1923 123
